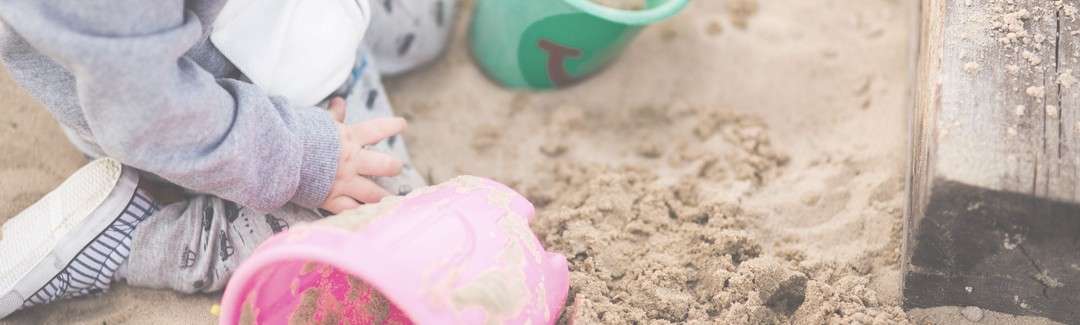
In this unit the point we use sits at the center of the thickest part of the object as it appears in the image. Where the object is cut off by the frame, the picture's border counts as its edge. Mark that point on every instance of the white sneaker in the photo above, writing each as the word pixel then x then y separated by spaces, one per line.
pixel 71 242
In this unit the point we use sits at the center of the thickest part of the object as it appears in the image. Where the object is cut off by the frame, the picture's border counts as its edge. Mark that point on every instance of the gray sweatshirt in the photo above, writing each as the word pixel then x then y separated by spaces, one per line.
pixel 139 81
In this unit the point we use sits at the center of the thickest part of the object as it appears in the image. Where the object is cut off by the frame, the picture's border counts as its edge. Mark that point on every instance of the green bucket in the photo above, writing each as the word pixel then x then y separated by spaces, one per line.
pixel 543 44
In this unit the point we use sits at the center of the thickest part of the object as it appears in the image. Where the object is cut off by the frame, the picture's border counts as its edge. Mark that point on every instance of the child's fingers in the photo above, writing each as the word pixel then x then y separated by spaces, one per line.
pixel 340 203
pixel 374 163
pixel 374 130
pixel 337 109
pixel 364 190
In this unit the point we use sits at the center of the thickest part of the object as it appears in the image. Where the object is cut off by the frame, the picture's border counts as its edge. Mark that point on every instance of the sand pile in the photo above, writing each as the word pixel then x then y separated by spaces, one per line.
pixel 640 252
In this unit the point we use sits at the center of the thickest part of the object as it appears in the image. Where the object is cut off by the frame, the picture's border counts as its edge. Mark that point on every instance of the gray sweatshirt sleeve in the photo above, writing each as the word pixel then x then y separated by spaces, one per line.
pixel 151 108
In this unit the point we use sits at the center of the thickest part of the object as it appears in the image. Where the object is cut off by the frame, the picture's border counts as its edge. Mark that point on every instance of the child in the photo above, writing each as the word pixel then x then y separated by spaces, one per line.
pixel 209 113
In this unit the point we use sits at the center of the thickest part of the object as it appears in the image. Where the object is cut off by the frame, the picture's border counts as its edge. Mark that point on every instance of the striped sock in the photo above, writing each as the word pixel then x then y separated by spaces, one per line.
pixel 93 269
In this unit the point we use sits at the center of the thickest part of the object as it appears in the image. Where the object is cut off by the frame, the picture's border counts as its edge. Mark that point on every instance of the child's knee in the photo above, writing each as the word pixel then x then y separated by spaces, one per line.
pixel 196 244
pixel 405 37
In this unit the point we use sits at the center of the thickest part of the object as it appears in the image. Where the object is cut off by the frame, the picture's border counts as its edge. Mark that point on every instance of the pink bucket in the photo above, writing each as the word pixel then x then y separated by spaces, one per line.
pixel 457 253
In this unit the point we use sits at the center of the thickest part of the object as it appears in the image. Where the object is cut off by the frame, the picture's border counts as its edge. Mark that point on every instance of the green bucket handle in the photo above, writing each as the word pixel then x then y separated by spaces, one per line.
pixel 646 16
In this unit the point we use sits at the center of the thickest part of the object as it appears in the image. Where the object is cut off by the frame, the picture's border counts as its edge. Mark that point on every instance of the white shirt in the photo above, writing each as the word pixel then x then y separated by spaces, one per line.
pixel 299 49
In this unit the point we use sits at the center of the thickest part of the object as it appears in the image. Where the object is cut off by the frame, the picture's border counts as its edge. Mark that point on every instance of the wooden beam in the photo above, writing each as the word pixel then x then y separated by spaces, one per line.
pixel 993 216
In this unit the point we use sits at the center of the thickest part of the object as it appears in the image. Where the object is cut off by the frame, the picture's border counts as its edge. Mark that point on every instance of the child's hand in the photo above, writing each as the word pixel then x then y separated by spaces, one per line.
pixel 350 185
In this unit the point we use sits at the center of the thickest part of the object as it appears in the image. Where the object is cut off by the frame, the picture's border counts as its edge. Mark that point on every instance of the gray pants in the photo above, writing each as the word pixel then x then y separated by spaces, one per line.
pixel 195 244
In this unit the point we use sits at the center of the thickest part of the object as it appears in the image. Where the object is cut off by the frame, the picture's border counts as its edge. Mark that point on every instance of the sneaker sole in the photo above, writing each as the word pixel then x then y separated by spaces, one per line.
pixel 42 240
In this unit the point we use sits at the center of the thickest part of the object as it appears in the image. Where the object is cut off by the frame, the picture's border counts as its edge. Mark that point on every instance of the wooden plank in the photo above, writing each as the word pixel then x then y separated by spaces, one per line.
pixel 1064 175
pixel 993 218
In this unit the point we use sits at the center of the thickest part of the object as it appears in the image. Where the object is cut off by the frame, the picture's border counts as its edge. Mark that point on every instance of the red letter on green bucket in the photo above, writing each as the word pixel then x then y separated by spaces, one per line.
pixel 560 50
pixel 556 62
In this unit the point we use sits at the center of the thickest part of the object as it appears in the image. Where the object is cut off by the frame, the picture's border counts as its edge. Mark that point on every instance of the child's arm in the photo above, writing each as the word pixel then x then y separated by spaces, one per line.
pixel 154 109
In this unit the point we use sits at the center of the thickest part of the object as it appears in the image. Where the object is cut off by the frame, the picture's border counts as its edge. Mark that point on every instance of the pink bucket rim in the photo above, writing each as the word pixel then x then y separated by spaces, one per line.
pixel 235 295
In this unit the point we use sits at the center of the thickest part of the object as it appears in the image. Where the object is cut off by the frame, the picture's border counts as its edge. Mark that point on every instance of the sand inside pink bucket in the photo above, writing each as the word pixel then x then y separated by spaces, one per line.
pixel 314 298
pixel 319 304
pixel 374 304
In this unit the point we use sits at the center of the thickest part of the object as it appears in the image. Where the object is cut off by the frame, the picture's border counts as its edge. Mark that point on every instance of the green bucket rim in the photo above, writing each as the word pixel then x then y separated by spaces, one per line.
pixel 631 17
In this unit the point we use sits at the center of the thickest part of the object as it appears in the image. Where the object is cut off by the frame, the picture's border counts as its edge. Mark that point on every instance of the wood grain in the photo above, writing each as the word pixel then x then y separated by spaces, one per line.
pixel 993 217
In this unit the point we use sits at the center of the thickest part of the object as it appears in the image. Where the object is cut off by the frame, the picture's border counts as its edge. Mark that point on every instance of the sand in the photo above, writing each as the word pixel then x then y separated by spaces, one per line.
pixel 360 300
pixel 642 252
pixel 740 162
